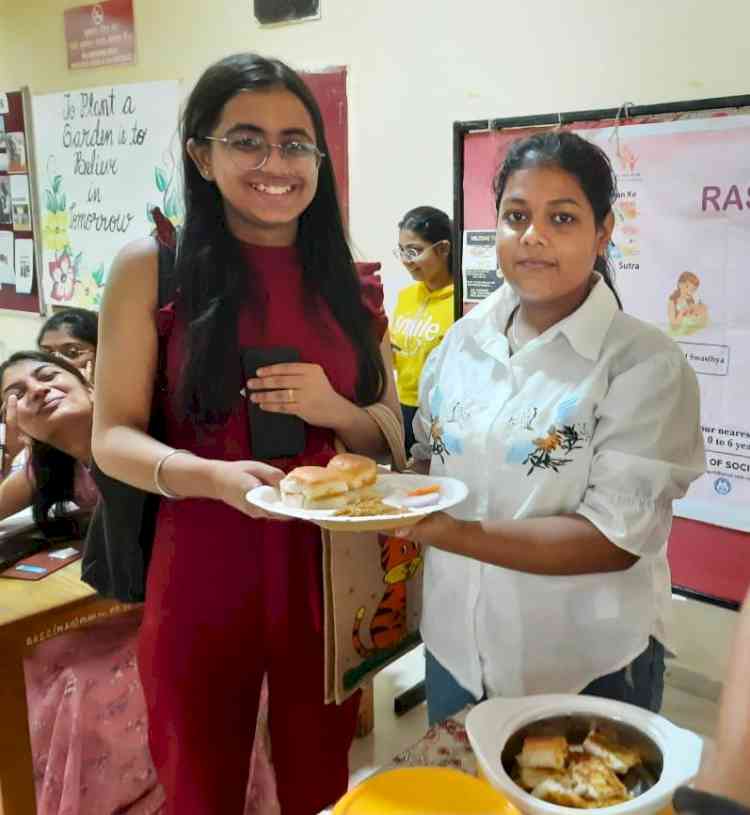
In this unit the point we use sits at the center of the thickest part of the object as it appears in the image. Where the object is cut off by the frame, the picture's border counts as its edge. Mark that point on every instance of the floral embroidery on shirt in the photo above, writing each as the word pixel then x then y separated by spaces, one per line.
pixel 442 442
pixel 565 439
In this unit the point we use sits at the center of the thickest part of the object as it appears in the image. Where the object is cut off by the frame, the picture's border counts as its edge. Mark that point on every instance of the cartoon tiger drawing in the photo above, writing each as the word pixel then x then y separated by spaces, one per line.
pixel 400 560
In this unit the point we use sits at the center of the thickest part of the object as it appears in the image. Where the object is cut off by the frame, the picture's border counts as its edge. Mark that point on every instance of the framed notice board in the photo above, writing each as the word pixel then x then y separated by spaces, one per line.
pixel 19 290
pixel 682 216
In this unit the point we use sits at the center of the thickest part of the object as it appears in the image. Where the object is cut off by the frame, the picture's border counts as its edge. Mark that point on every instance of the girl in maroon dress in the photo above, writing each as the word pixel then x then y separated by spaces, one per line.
pixel 232 594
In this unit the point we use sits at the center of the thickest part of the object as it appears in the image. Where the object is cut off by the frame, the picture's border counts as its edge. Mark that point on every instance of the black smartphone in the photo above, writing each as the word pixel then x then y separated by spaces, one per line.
pixel 272 435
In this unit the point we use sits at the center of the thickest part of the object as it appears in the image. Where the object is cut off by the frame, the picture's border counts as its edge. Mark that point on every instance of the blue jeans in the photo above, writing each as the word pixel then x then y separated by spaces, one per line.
pixel 641 683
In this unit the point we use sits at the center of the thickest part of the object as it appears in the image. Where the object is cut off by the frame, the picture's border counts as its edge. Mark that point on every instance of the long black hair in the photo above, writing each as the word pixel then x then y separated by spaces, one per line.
pixel 212 273
pixel 81 324
pixel 577 156
pixel 431 224
pixel 53 470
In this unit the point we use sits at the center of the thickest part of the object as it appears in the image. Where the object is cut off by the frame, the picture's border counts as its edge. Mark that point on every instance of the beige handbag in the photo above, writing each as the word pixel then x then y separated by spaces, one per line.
pixel 372 591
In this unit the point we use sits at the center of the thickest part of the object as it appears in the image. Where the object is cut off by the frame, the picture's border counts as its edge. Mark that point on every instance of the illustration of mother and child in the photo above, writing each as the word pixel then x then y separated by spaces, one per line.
pixel 686 313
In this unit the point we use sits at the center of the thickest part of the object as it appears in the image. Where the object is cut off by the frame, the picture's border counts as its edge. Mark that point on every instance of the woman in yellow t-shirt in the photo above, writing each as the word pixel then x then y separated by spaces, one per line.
pixel 424 310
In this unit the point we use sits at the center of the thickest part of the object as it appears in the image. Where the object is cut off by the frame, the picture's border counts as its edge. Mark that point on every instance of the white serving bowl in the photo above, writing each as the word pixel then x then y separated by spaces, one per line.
pixel 491 724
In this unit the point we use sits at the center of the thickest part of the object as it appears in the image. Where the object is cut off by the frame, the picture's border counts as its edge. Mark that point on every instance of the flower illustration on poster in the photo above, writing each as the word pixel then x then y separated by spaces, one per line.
pixel 64 267
pixel 71 282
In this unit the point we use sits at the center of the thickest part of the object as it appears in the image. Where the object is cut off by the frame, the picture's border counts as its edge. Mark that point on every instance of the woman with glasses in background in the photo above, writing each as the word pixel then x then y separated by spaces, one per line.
pixel 231 593
pixel 424 311
pixel 72 333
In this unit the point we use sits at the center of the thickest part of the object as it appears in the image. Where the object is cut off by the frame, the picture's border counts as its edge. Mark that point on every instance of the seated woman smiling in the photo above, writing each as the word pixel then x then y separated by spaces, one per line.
pixel 49 400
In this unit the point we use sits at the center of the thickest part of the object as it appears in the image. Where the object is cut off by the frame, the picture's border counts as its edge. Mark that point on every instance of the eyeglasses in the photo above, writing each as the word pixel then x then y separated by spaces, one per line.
pixel 252 152
pixel 411 254
pixel 69 352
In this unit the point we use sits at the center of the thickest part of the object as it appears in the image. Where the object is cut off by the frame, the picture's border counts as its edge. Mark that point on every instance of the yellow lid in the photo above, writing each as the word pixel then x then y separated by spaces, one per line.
pixel 422 790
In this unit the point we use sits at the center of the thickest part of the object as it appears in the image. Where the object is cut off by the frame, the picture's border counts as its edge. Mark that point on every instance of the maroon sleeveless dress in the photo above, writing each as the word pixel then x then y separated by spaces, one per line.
pixel 230 598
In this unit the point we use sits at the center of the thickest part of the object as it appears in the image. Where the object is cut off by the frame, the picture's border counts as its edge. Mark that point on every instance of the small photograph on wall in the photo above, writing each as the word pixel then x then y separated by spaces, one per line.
pixel 273 12
pixel 6 212
pixel 16 146
pixel 21 203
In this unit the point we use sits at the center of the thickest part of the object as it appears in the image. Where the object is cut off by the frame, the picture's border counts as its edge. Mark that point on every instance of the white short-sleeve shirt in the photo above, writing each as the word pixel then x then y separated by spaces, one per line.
pixel 597 416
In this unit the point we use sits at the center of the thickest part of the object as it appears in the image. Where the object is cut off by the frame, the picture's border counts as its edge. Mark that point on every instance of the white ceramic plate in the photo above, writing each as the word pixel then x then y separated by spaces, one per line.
pixel 390 486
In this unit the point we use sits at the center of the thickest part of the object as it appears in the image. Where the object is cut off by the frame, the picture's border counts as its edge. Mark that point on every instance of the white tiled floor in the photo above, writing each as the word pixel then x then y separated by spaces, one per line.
pixel 393 734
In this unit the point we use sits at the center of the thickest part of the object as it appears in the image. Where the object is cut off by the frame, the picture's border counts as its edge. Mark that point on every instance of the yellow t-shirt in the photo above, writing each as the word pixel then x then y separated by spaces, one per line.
pixel 418 326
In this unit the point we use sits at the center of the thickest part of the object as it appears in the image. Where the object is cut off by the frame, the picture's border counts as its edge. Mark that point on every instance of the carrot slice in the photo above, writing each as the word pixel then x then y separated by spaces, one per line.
pixel 424 490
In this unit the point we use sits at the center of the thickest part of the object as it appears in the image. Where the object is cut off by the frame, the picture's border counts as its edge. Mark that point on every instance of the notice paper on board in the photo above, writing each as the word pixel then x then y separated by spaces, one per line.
pixel 479 264
pixel 7 270
pixel 24 262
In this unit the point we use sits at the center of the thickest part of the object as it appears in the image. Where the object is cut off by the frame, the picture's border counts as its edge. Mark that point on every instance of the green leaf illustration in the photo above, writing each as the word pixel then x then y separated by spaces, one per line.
pixel 50 200
pixel 56 183
pixel 171 205
pixel 63 202
pixel 161 179
pixel 98 275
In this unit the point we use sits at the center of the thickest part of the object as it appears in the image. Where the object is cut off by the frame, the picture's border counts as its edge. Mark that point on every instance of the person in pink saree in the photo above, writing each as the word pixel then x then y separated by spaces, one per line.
pixel 87 719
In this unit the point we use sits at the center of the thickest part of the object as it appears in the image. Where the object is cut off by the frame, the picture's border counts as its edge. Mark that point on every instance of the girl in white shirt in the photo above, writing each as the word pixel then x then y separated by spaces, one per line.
pixel 575 427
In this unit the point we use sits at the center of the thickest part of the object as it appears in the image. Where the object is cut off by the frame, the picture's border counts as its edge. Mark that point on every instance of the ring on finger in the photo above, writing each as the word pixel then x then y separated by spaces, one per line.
pixel 290 392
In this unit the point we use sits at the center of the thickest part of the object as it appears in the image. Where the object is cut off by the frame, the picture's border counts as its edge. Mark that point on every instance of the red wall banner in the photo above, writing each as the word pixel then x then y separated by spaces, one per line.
pixel 100 34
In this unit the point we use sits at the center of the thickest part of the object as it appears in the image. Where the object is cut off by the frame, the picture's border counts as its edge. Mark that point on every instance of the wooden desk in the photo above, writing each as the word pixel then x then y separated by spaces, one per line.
pixel 32 612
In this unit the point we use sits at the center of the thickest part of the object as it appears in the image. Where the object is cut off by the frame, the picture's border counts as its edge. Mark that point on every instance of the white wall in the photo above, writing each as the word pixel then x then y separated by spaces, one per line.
pixel 4 46
pixel 17 332
pixel 415 67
